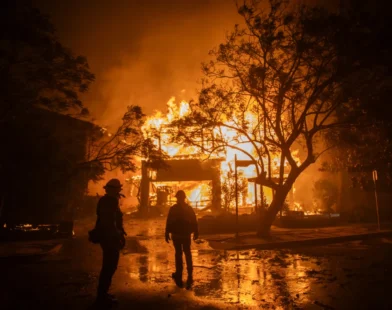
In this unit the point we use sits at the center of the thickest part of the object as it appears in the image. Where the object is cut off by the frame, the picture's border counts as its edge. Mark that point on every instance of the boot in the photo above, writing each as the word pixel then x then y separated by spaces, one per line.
pixel 106 297
pixel 189 282
pixel 104 301
pixel 112 298
pixel 177 279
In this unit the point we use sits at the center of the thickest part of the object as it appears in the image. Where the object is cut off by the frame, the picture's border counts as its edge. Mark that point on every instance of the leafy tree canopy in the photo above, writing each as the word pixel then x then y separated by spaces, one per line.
pixel 278 86
pixel 121 149
pixel 35 68
pixel 364 40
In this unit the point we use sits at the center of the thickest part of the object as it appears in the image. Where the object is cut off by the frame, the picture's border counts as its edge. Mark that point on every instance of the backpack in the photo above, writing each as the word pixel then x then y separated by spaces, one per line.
pixel 94 236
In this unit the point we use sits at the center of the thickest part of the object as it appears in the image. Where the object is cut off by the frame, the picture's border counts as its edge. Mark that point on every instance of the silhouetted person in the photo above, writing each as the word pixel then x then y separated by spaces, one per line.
pixel 181 223
pixel 112 240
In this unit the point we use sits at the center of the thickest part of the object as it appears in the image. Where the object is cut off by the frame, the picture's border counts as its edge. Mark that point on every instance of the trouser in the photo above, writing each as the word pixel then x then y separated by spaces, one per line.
pixel 111 256
pixel 183 245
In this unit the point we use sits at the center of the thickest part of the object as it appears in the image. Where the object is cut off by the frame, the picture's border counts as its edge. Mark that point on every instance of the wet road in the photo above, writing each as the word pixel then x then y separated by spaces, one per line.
pixel 352 275
pixel 331 276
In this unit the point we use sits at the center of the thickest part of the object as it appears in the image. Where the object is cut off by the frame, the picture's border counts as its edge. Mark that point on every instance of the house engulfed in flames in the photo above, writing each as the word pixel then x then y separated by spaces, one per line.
pixel 206 179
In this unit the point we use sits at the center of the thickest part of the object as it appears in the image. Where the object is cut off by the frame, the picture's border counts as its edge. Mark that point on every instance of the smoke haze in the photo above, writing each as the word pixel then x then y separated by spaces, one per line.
pixel 142 52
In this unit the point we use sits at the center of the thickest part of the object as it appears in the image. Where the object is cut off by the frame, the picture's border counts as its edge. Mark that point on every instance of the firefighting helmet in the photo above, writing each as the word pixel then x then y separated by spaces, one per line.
pixel 180 194
pixel 113 183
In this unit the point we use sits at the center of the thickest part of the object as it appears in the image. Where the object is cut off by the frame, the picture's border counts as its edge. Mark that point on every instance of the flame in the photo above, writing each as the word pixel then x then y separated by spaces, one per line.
pixel 157 128
pixel 297 206
pixel 198 195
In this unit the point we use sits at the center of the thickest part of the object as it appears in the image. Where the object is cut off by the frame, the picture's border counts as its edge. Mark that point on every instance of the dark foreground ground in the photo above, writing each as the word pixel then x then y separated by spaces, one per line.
pixel 353 275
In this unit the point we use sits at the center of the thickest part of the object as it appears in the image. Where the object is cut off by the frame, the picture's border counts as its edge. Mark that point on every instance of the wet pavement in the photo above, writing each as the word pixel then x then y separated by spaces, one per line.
pixel 351 275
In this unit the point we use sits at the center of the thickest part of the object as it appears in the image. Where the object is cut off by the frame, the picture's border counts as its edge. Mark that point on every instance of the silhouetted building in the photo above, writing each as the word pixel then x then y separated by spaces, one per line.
pixel 38 153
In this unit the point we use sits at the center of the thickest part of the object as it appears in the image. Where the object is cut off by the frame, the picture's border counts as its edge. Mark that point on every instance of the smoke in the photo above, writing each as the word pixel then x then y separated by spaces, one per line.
pixel 142 52
pixel 167 62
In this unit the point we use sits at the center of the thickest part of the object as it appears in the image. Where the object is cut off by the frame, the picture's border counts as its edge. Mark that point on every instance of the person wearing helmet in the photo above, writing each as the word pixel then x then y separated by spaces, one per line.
pixel 181 223
pixel 112 237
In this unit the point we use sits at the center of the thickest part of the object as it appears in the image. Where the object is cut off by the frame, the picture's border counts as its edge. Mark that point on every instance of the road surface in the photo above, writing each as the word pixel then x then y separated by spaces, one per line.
pixel 352 275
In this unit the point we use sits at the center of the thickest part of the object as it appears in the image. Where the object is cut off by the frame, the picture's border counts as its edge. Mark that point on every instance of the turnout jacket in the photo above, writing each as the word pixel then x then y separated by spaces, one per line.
pixel 181 221
pixel 109 217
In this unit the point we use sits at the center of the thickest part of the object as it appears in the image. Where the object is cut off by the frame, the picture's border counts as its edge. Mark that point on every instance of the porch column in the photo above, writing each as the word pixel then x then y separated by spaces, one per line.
pixel 216 192
pixel 144 190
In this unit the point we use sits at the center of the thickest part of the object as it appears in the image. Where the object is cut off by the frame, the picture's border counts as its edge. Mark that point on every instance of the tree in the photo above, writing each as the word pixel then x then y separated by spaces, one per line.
pixel 229 190
pixel 119 150
pixel 368 146
pixel 35 68
pixel 275 85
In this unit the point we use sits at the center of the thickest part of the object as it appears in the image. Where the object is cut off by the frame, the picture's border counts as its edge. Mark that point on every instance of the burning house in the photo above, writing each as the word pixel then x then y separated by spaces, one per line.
pixel 199 179
pixel 208 179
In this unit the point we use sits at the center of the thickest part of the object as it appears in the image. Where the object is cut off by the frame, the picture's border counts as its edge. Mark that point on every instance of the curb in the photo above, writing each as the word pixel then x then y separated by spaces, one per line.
pixel 298 243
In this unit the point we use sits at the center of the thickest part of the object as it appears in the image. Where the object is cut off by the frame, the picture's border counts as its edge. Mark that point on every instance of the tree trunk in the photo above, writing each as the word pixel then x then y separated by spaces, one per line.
pixel 268 217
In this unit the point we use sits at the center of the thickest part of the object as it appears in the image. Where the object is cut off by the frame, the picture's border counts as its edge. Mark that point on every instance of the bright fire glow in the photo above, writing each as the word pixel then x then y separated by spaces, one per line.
pixel 157 127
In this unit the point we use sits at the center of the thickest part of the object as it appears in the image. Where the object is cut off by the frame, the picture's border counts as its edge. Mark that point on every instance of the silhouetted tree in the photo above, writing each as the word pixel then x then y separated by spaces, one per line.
pixel 35 68
pixel 229 191
pixel 107 151
pixel 364 40
pixel 276 84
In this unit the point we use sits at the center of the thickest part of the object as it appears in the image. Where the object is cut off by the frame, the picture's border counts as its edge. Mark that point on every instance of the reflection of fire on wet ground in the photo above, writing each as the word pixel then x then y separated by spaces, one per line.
pixel 250 278
pixel 303 278
pixel 133 246
pixel 245 278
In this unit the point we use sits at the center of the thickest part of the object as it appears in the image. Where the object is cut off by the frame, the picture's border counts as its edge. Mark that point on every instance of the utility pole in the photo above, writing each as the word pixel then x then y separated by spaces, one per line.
pixel 255 189
pixel 236 196
pixel 375 195
pixel 239 163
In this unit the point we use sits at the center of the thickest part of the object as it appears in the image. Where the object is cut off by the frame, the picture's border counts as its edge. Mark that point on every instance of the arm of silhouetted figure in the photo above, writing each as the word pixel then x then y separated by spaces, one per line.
pixel 119 222
pixel 107 216
pixel 195 226
pixel 168 228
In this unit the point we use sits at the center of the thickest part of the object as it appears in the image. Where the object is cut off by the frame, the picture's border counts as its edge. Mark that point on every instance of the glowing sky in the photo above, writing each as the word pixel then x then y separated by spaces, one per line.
pixel 142 52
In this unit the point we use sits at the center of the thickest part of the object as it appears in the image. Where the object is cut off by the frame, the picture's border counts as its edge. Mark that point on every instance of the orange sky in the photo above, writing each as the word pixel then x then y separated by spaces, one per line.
pixel 142 52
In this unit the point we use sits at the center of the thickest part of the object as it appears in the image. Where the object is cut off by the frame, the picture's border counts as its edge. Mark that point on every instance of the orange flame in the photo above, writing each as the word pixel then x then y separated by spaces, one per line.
pixel 157 128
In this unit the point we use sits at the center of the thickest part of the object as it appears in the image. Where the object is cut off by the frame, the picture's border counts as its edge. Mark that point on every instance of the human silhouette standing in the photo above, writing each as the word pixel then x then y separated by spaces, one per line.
pixel 181 223
pixel 112 240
